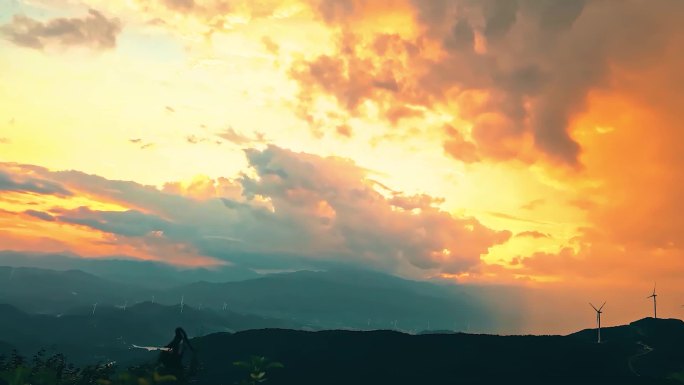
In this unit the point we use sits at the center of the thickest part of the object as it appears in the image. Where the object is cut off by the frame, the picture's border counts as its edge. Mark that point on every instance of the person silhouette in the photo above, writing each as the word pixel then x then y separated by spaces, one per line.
pixel 171 358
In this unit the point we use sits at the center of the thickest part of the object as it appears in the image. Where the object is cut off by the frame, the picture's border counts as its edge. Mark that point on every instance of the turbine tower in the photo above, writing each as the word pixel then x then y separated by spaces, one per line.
pixel 94 307
pixel 655 307
pixel 598 319
pixel 182 303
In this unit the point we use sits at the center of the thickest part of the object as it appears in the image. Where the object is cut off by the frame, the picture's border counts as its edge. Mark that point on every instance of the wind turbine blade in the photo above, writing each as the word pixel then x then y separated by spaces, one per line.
pixel 604 304
pixel 593 306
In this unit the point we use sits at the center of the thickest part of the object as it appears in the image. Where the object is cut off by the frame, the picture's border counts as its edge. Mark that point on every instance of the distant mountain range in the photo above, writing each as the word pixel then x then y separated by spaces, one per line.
pixel 50 291
pixel 109 333
pixel 337 299
pixel 341 299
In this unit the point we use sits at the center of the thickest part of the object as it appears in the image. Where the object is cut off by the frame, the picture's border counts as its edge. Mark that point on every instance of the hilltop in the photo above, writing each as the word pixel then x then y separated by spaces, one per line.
pixel 661 342
pixel 644 352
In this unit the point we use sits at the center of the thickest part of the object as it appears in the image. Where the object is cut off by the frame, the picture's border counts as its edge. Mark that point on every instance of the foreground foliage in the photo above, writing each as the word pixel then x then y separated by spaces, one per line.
pixel 257 367
pixel 54 370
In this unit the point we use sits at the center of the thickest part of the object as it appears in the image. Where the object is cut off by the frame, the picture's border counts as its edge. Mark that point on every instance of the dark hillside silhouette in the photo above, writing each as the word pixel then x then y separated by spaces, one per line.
pixel 386 357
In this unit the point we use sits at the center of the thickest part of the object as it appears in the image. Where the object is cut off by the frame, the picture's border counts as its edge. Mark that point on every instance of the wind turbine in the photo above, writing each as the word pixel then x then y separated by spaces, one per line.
pixel 655 307
pixel 598 319
pixel 94 307
pixel 124 306
pixel 225 305
pixel 182 301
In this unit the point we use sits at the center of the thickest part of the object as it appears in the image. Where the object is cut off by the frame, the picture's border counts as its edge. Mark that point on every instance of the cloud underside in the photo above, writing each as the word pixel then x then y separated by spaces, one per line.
pixel 299 210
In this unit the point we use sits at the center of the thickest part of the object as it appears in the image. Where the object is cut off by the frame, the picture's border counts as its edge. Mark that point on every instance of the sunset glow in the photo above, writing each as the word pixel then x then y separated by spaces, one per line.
pixel 458 140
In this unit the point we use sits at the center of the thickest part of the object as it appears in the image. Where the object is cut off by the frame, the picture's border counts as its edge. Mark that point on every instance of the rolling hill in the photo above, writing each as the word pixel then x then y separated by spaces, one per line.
pixel 387 357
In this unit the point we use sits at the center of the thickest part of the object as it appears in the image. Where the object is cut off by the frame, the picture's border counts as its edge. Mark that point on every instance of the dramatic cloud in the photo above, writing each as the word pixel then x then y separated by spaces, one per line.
pixel 340 211
pixel 557 120
pixel 353 77
pixel 298 210
pixel 520 71
pixel 94 31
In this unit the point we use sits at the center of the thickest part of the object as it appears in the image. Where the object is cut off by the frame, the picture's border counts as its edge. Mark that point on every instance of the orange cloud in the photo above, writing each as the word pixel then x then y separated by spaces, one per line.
pixel 534 75
pixel 630 185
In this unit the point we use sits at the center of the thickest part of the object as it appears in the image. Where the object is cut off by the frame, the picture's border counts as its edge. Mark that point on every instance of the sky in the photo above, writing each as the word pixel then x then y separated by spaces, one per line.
pixel 534 143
